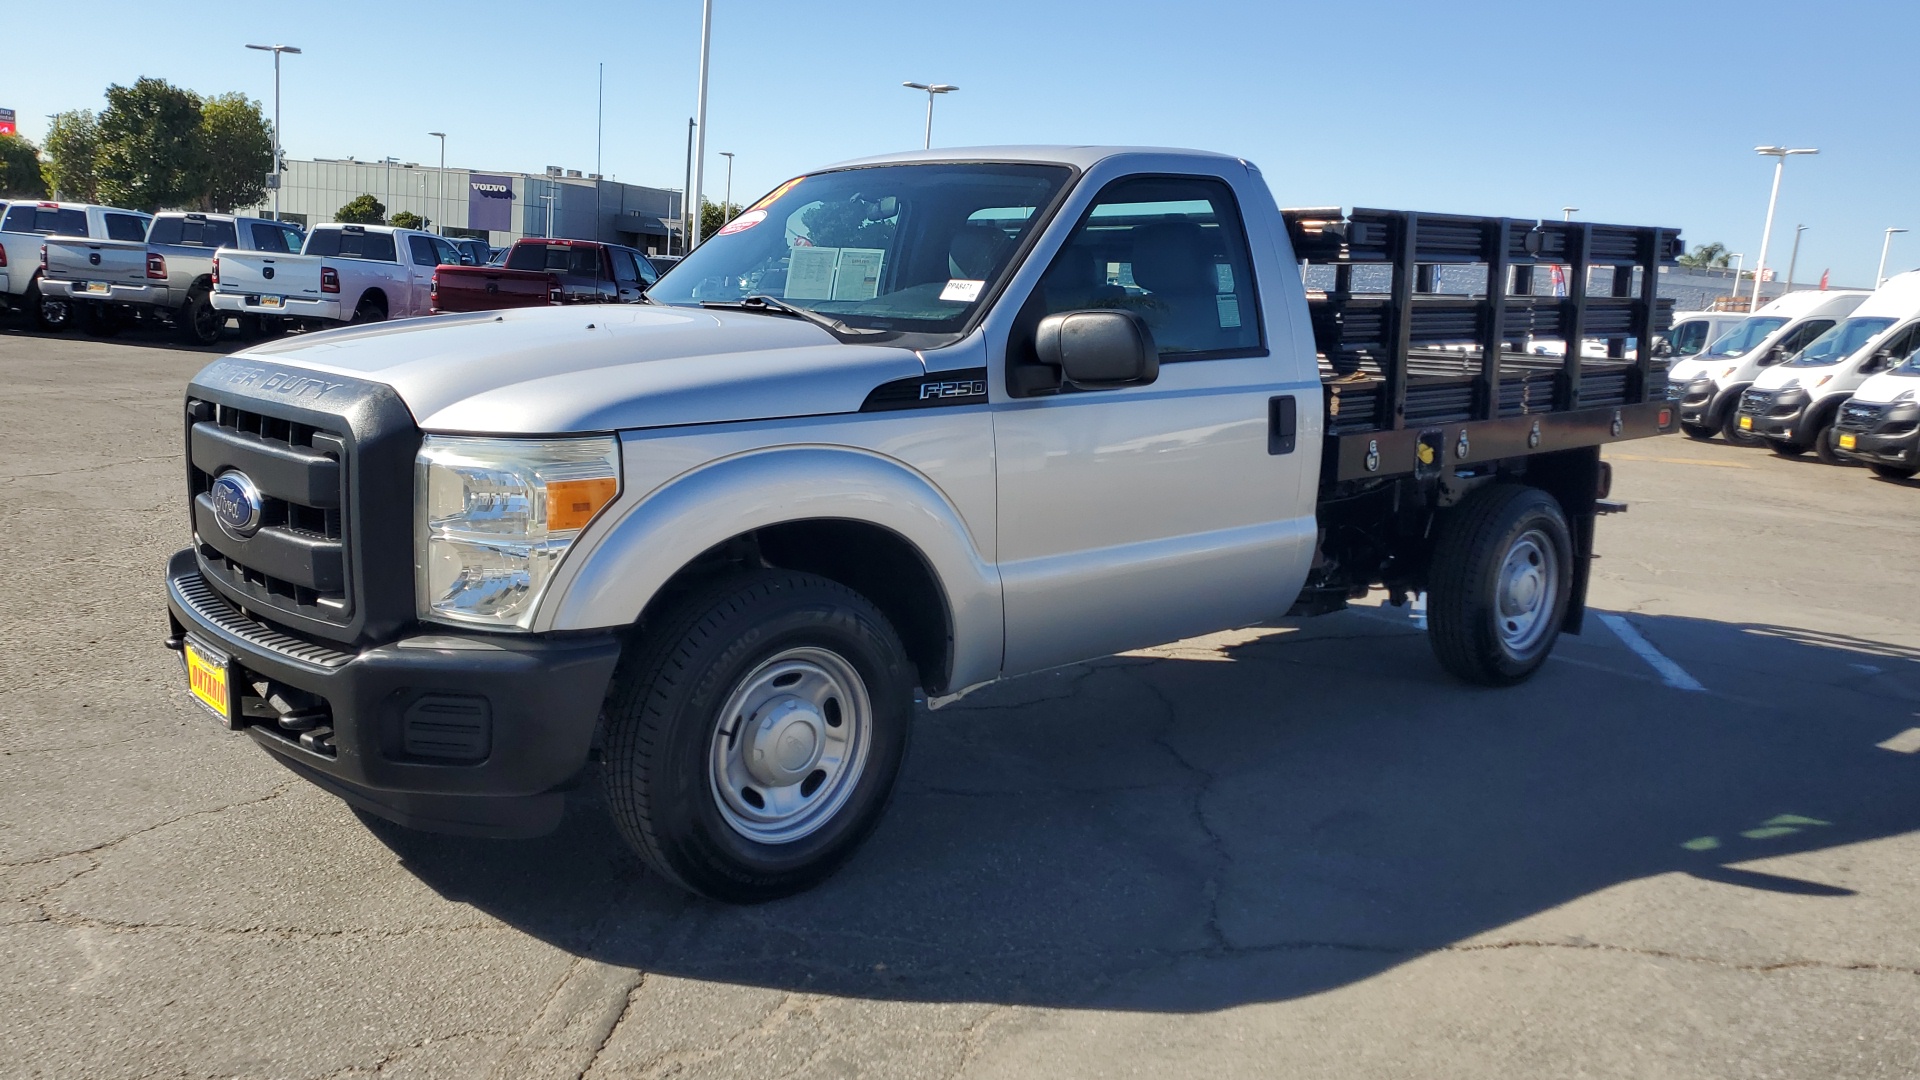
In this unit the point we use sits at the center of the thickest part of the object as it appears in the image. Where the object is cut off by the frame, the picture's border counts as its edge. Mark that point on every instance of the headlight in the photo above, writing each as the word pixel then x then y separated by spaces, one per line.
pixel 1904 395
pixel 493 518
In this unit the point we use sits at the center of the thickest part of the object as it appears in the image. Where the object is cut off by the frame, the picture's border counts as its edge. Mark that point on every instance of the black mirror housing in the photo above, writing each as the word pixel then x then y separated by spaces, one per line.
pixel 1662 348
pixel 1098 349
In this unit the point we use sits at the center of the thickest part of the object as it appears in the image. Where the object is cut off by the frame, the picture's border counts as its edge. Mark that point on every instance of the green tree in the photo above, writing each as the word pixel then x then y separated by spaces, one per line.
pixel 151 152
pixel 713 215
pixel 1705 255
pixel 20 169
pixel 363 210
pixel 239 147
pixel 73 144
pixel 846 224
pixel 407 219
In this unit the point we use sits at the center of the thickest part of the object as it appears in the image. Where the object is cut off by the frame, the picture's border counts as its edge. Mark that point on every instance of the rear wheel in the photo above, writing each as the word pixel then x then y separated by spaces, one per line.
pixel 198 321
pixel 371 309
pixel 50 314
pixel 1893 472
pixel 1501 580
pixel 754 734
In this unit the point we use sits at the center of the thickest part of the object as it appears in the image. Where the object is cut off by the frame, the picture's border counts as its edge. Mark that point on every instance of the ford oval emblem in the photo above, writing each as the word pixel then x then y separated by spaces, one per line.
pixel 267 273
pixel 237 504
pixel 93 257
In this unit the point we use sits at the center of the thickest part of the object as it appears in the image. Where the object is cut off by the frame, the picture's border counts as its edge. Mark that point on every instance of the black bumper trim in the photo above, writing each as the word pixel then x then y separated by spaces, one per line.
pixel 543 696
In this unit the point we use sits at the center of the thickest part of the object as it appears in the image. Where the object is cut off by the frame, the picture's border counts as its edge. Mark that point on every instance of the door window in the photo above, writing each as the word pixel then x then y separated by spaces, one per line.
pixel 126 227
pixel 421 248
pixel 624 270
pixel 1688 338
pixel 1173 251
pixel 1798 338
pixel 274 238
pixel 445 253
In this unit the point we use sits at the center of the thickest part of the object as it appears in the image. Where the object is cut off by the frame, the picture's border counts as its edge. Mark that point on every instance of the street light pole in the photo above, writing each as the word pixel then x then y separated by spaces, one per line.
pixel 726 201
pixel 1779 154
pixel 276 50
pixel 1794 259
pixel 700 123
pixel 440 211
pixel 549 199
pixel 1881 275
pixel 1739 260
pixel 1567 212
pixel 932 89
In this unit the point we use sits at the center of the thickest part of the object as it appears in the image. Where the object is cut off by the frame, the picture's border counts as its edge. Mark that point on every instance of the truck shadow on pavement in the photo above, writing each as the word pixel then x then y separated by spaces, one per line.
pixel 1267 815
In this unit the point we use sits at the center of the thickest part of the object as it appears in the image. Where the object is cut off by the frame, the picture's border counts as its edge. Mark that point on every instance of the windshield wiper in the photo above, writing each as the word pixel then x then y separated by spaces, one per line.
pixel 763 303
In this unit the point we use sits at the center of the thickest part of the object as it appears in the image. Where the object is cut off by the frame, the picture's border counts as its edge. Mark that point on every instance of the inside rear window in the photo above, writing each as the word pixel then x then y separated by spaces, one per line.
pixel 277 239
pixel 191 232
pixel 351 244
pixel 563 258
pixel 48 221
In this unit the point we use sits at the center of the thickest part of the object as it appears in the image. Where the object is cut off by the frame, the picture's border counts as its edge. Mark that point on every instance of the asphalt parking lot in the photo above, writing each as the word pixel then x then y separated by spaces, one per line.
pixel 1292 851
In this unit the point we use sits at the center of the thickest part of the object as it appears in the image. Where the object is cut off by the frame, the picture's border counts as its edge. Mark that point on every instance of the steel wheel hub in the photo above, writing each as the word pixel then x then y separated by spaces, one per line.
pixel 1529 579
pixel 790 745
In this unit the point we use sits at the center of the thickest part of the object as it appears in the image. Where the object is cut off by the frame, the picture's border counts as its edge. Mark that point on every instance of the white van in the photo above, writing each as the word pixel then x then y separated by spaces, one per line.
pixel 1692 332
pixel 1709 385
pixel 1879 426
pixel 1792 405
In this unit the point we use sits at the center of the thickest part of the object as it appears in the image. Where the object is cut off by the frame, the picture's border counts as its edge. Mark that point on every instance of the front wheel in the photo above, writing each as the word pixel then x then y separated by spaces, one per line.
pixel 1696 431
pixel 1825 450
pixel 754 734
pixel 50 314
pixel 1730 428
pixel 1501 580
pixel 1893 472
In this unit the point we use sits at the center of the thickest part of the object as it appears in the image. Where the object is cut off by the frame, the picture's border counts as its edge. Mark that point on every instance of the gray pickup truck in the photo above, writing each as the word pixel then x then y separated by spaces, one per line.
pixel 168 276
pixel 923 421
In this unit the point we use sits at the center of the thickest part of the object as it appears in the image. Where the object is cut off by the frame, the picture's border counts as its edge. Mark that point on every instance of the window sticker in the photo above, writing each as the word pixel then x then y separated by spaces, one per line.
pixel 858 275
pixel 810 273
pixel 742 223
pixel 1229 310
pixel 962 291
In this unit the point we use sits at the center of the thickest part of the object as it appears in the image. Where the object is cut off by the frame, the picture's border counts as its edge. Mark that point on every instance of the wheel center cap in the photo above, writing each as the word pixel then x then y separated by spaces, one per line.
pixel 1524 591
pixel 785 742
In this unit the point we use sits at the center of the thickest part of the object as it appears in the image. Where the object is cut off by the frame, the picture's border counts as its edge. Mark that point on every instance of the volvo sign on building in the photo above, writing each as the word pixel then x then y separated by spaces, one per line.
pixel 489 202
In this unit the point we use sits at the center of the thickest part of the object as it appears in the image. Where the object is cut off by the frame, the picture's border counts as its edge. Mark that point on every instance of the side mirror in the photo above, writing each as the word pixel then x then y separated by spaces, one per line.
pixel 1876 363
pixel 1663 348
pixel 1099 349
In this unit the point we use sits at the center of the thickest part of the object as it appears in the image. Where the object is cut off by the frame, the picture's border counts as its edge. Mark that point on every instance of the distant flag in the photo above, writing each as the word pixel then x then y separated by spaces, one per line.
pixel 1823 281
pixel 1559 280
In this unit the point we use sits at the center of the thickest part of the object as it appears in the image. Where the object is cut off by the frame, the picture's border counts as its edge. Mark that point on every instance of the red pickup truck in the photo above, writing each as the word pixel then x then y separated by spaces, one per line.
pixel 540 271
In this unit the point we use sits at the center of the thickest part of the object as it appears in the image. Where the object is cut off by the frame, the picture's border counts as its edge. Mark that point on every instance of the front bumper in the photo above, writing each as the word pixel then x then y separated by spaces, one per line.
pixel 291 307
pixel 155 295
pixel 1780 416
pixel 1880 434
pixel 477 734
pixel 1695 402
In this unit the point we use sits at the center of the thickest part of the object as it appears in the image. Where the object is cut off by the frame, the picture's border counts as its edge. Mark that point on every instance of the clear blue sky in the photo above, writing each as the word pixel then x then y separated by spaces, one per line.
pixel 1635 111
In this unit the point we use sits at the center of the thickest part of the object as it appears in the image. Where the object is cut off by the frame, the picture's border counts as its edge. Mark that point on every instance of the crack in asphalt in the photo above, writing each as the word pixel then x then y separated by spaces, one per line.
pixel 105 845
pixel 1223 858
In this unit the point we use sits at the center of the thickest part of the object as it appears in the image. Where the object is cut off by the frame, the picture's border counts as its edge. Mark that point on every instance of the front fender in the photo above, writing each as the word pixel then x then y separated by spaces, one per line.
pixel 650 538
pixel 1723 402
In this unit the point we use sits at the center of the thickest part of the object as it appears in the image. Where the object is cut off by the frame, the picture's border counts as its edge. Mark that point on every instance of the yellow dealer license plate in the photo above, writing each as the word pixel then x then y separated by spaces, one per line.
pixel 1847 442
pixel 271 301
pixel 1746 423
pixel 99 288
pixel 209 677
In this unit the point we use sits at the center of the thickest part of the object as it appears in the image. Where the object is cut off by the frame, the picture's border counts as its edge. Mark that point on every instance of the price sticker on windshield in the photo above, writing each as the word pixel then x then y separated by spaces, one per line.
pixel 742 223
pixel 962 291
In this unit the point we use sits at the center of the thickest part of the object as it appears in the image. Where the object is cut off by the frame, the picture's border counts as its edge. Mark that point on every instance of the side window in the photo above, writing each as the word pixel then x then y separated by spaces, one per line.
pixel 1173 251
pixel 269 238
pixel 1896 350
pixel 648 274
pixel 1799 338
pixel 624 271
pixel 295 239
pixel 422 251
pixel 1690 338
pixel 446 253
pixel 126 227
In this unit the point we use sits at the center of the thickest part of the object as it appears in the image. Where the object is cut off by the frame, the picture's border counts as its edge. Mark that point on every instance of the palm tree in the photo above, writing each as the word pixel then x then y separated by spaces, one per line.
pixel 1707 255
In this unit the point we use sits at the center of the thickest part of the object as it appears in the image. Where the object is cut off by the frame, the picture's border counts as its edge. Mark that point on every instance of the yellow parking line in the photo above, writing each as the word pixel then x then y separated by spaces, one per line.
pixel 1680 461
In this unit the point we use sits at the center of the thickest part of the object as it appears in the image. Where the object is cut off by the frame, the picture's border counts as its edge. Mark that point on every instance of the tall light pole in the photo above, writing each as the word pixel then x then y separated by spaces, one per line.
pixel 726 201
pixel 700 125
pixel 932 89
pixel 440 211
pixel 549 198
pixel 1567 212
pixel 1779 154
pixel 1794 259
pixel 276 50
pixel 1881 274
pixel 1739 260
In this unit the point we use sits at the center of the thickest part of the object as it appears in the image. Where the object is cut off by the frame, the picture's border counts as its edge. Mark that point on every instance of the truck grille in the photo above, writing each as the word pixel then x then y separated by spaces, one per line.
pixel 296 561
pixel 1756 401
pixel 1859 416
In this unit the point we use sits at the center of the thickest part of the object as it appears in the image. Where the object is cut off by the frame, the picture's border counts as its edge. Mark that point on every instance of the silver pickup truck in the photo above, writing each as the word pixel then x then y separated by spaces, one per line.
pixel 169 275
pixel 26 227
pixel 923 421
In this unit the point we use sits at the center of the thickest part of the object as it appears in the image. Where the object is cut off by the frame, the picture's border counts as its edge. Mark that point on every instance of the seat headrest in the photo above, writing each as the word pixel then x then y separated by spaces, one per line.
pixel 977 251
pixel 1171 257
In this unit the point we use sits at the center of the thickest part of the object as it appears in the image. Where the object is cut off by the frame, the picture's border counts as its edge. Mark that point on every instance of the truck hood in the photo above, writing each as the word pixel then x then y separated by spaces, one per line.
pixel 1885 388
pixel 584 368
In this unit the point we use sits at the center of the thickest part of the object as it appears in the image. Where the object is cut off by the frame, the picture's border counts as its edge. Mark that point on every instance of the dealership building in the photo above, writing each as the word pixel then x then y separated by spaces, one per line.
pixel 498 207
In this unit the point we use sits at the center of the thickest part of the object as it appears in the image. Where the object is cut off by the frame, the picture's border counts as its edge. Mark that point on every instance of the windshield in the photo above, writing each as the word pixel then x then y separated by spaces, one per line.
pixel 904 248
pixel 1738 340
pixel 1839 343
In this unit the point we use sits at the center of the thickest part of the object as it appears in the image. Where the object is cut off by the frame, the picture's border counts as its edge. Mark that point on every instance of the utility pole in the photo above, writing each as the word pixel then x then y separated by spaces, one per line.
pixel 442 200
pixel 1794 259
pixel 276 50
pixel 700 123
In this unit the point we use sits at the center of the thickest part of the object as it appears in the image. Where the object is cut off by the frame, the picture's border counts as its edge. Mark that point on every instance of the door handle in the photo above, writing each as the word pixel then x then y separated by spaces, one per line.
pixel 1282 424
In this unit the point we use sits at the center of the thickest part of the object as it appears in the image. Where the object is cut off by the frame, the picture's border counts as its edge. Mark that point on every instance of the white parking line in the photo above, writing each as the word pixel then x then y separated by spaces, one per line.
pixel 1670 673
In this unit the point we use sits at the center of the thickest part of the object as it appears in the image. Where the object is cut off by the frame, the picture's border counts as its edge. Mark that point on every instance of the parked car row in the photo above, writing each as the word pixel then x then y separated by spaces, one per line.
pixel 1831 373
pixel 104 268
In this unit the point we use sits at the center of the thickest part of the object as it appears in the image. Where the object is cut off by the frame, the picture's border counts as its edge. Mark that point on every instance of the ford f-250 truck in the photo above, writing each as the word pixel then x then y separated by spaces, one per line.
pixel 24 229
pixel 928 420
pixel 343 274
pixel 543 271
pixel 169 274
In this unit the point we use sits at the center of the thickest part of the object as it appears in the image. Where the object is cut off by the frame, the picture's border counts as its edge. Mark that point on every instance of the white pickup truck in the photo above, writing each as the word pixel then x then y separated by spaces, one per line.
pixel 343 274
pixel 168 276
pixel 928 420
pixel 24 229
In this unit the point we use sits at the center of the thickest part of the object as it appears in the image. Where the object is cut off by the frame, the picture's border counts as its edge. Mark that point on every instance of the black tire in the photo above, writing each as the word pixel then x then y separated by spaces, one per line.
pixel 1696 431
pixel 1826 451
pixel 371 309
pixel 50 315
pixel 1730 430
pixel 1893 472
pixel 664 726
pixel 1472 635
pixel 198 322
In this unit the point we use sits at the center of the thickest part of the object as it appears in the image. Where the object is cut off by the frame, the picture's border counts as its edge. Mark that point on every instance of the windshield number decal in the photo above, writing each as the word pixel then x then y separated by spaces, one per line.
pixel 742 223
pixel 962 291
